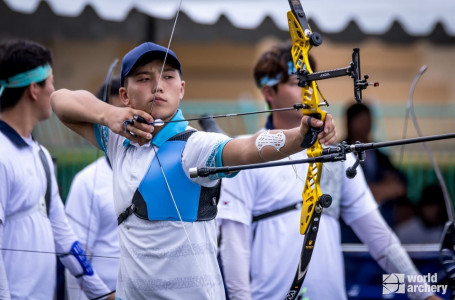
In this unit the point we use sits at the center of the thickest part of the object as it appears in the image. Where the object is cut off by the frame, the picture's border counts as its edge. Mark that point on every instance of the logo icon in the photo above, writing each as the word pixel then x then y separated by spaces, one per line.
pixel 393 283
pixel 310 245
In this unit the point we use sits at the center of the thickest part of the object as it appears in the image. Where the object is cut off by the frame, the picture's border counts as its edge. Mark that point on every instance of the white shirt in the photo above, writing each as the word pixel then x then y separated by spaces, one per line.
pixel 276 242
pixel 90 211
pixel 32 237
pixel 164 259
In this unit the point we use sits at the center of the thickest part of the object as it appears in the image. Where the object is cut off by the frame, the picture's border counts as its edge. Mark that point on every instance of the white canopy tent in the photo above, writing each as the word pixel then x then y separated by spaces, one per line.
pixel 416 17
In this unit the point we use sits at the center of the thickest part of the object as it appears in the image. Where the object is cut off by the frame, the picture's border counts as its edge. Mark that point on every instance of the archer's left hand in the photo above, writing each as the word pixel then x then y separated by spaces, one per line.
pixel 328 135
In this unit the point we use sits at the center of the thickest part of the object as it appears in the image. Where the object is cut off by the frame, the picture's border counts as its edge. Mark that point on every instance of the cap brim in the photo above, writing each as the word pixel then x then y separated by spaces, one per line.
pixel 152 55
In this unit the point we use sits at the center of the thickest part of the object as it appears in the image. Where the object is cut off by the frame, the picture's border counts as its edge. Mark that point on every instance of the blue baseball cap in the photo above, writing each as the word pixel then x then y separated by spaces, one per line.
pixel 144 53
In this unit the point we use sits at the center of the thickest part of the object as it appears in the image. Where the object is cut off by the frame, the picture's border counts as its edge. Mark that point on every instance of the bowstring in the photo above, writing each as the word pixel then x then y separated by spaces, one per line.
pixel 56 253
pixel 158 160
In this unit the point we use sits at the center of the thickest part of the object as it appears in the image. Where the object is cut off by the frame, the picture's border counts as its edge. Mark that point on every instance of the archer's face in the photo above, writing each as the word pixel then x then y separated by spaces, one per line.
pixel 286 95
pixel 140 87
pixel 44 96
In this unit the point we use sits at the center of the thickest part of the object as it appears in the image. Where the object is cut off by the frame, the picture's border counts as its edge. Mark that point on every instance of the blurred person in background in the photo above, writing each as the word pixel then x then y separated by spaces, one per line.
pixel 404 211
pixel 386 182
pixel 90 210
pixel 427 226
pixel 33 224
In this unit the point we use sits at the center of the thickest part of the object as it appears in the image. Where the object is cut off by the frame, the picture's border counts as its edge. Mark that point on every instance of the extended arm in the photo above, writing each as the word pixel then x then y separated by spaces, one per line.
pixel 275 144
pixel 79 110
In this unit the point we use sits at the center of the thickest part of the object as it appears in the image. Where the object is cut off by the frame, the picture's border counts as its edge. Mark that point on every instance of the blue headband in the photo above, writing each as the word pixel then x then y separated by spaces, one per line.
pixel 271 81
pixel 37 74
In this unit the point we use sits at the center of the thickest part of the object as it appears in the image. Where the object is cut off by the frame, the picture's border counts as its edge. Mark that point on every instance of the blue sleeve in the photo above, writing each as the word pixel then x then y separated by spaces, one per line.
pixel 219 162
pixel 101 136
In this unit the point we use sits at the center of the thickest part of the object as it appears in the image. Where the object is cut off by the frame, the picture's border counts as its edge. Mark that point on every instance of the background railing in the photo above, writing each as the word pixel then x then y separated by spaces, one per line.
pixel 73 153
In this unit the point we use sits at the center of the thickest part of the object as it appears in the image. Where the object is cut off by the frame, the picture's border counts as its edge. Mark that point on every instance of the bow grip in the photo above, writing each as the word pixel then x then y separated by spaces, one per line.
pixel 312 135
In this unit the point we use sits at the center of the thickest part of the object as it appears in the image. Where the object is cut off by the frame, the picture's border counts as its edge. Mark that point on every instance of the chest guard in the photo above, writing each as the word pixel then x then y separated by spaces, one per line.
pixel 152 199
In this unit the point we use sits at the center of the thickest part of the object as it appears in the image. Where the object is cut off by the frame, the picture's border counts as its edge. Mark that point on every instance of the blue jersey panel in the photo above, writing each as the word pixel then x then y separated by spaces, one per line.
pixel 157 194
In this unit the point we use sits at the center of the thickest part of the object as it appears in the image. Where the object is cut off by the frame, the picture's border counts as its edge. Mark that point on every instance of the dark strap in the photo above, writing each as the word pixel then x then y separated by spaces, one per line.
pixel 276 212
pixel 45 163
pixel 124 215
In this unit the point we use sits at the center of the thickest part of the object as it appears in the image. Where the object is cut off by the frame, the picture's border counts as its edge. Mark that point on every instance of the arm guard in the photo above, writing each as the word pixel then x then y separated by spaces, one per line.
pixel 76 261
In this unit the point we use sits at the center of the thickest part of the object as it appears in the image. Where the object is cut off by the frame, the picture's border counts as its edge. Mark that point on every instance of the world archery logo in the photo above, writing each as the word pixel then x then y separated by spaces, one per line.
pixel 393 283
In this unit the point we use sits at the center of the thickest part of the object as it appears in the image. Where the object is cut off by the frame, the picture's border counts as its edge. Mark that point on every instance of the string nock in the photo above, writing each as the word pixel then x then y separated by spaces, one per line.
pixel 158 122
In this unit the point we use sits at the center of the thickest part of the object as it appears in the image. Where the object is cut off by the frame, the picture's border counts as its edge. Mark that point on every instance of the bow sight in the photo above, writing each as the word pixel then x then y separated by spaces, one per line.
pixel 296 19
pixel 353 70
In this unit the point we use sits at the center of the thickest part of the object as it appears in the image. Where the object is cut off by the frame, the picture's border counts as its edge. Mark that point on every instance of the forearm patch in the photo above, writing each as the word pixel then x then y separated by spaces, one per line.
pixel 275 140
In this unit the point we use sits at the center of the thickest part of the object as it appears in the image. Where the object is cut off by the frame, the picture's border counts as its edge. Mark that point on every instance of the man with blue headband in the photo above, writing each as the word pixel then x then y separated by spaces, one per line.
pixel 167 231
pixel 33 224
